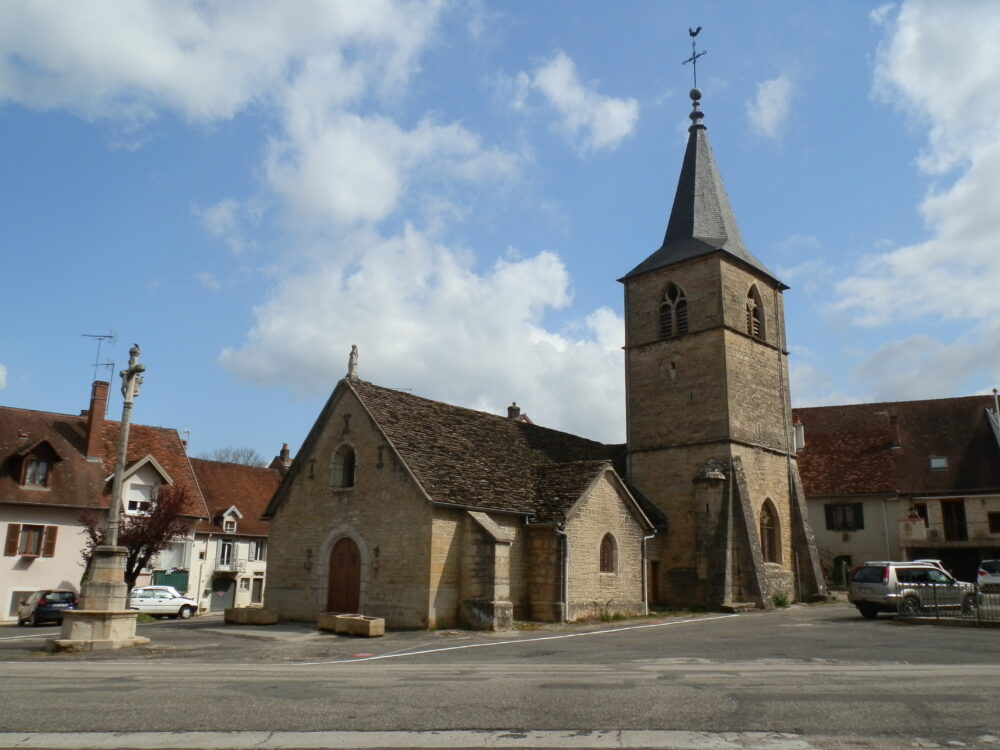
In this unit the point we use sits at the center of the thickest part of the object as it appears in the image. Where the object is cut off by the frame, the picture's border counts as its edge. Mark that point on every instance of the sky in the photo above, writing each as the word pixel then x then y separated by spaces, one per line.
pixel 246 189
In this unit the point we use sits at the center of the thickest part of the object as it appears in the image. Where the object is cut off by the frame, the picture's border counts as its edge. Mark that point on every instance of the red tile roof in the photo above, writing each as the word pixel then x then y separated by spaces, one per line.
pixel 849 449
pixel 75 481
pixel 224 485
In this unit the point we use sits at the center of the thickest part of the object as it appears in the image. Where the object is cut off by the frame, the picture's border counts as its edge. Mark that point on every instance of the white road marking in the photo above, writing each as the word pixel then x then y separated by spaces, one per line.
pixel 510 642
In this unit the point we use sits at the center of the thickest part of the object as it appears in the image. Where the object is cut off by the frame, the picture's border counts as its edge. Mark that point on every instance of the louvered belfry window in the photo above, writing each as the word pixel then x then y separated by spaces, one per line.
pixel 755 325
pixel 673 312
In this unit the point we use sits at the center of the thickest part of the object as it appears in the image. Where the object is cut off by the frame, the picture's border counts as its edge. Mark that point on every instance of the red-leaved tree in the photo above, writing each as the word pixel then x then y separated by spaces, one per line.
pixel 142 535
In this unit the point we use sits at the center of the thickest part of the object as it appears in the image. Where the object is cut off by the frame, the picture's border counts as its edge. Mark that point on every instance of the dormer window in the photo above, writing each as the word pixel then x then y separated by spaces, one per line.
pixel 139 501
pixel 342 468
pixel 229 526
pixel 673 312
pixel 755 314
pixel 36 472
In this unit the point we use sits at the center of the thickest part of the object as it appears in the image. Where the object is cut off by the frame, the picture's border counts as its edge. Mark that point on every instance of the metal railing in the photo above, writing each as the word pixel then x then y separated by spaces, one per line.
pixel 969 602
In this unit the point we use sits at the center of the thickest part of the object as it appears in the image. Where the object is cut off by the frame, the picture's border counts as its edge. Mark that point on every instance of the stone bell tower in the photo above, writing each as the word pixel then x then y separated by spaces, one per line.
pixel 709 428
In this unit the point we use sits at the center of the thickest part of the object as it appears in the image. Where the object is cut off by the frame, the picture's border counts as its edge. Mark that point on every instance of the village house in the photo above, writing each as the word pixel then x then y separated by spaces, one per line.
pixel 228 560
pixel 56 467
pixel 904 480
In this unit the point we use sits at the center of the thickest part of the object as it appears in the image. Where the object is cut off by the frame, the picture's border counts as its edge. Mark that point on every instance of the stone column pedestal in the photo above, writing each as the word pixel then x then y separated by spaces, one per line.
pixel 103 622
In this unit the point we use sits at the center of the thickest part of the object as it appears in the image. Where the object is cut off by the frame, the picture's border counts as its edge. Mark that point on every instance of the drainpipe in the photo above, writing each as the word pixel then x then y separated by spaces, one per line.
pixel 645 574
pixel 564 578
pixel 885 531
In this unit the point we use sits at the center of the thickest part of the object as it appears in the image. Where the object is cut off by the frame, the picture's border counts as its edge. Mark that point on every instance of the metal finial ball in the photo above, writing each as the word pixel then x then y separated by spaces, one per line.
pixel 695 95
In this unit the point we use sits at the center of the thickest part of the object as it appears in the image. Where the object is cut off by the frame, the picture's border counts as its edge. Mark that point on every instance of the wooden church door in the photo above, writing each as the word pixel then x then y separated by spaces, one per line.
pixel 344 585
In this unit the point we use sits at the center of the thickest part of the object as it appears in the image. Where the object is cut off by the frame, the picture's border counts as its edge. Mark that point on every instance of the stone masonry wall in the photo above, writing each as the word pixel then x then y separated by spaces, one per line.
pixel 384 513
pixel 591 592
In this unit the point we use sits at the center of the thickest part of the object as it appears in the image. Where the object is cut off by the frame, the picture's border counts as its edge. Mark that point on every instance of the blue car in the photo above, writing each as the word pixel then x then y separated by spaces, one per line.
pixel 46 606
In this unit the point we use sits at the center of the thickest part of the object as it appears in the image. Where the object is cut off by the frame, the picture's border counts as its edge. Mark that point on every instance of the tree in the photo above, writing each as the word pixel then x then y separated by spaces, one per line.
pixel 143 535
pixel 242 456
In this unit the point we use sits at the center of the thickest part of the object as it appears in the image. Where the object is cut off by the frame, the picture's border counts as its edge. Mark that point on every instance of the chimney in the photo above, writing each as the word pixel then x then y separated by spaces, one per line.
pixel 513 411
pixel 284 455
pixel 799 434
pixel 894 432
pixel 95 418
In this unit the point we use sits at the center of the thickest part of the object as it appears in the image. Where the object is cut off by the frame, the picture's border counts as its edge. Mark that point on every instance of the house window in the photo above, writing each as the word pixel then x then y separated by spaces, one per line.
pixel 257 592
pixel 30 540
pixel 769 537
pixel 994 522
pixel 257 550
pixel 673 312
pixel 939 462
pixel 921 510
pixel 139 501
pixel 36 472
pixel 225 554
pixel 342 469
pixel 755 314
pixel 229 526
pixel 609 554
pixel 844 516
pixel 953 513
pixel 244 584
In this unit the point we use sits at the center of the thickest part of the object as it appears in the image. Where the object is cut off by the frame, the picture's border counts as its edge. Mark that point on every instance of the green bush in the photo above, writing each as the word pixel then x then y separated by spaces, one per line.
pixel 781 599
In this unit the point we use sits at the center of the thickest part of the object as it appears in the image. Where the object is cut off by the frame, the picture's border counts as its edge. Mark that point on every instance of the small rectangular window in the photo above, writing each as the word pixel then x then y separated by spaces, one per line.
pixel 36 473
pixel 244 584
pixel 229 526
pixel 994 521
pixel 939 462
pixel 844 516
pixel 30 543
pixel 257 550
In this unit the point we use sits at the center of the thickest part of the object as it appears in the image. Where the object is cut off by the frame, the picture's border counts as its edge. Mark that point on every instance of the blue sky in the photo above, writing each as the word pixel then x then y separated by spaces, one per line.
pixel 248 189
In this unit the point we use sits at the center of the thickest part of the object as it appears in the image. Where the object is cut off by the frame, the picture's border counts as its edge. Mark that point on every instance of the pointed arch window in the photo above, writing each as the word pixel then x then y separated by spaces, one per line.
pixel 770 536
pixel 342 468
pixel 755 314
pixel 673 312
pixel 609 554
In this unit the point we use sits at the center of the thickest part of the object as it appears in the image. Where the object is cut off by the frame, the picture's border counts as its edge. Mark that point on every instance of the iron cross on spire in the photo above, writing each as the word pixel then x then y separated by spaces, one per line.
pixel 694 55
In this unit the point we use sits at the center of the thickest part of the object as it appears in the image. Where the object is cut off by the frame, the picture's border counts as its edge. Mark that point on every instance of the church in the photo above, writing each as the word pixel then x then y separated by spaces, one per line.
pixel 432 515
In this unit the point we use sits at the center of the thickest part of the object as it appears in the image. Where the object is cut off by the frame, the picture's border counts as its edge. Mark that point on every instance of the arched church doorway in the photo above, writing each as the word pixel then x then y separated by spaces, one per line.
pixel 344 587
pixel 223 593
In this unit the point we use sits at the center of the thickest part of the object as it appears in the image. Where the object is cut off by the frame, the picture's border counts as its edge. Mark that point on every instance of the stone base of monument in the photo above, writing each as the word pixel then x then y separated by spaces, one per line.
pixel 96 630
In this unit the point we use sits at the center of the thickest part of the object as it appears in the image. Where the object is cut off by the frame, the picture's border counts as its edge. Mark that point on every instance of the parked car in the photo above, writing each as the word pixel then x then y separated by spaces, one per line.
pixel 909 589
pixel 46 606
pixel 162 601
pixel 170 589
pixel 989 577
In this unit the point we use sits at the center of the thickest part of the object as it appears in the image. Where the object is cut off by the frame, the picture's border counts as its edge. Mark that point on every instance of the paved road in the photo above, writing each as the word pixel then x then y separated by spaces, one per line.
pixel 809 676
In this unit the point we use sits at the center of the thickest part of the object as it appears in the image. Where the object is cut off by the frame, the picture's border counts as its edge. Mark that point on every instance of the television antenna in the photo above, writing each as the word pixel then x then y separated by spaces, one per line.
pixel 111 337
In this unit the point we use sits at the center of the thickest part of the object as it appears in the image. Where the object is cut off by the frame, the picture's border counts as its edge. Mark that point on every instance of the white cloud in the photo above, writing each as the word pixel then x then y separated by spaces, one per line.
pixel 951 90
pixel 771 105
pixel 424 319
pixel 922 367
pixel 3 377
pixel 208 281
pixel 223 221
pixel 592 122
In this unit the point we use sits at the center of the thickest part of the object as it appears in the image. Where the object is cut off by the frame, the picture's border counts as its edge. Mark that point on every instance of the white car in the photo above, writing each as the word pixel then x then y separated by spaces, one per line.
pixel 162 601
pixel 989 577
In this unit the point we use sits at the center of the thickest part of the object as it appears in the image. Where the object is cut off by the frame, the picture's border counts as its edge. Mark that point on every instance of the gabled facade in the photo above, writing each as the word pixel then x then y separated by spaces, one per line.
pixel 708 409
pixel 903 480
pixel 53 468
pixel 432 515
pixel 229 552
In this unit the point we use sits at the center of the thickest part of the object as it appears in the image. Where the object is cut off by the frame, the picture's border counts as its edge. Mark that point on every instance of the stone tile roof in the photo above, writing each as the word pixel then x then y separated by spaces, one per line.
pixel 224 485
pixel 75 481
pixel 701 219
pixel 473 458
pixel 849 449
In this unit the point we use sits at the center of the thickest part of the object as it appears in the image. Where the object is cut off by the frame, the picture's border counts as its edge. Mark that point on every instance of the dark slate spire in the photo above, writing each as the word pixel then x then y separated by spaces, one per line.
pixel 701 220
